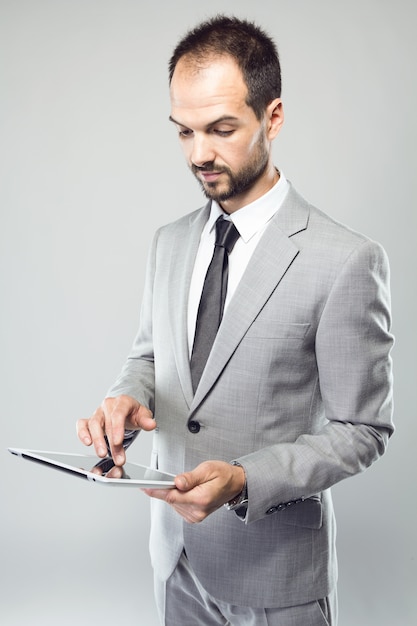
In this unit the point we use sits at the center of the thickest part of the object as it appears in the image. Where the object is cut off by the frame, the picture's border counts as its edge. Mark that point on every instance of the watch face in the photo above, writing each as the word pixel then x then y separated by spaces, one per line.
pixel 240 501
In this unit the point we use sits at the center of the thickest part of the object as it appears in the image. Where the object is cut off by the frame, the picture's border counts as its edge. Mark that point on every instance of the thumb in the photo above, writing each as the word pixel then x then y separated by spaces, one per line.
pixel 146 420
pixel 140 417
pixel 186 481
pixel 199 475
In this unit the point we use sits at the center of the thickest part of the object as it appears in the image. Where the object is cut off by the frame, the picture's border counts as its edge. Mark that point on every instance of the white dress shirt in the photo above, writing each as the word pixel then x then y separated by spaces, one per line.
pixel 251 221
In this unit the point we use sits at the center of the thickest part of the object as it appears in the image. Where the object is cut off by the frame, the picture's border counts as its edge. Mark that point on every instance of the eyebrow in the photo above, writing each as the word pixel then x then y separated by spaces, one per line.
pixel 223 118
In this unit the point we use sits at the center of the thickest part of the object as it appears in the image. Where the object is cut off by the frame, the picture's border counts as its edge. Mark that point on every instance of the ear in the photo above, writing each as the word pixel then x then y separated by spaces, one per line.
pixel 274 116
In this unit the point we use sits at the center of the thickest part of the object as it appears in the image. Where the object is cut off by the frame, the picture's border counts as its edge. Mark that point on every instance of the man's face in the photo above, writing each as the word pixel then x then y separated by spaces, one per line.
pixel 226 146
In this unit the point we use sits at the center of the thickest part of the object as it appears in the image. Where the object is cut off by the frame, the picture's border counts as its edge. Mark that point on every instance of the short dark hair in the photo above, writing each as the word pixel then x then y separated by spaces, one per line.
pixel 252 49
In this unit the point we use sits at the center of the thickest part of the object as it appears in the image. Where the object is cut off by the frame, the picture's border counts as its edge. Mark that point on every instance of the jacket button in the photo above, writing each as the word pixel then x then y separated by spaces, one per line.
pixel 193 427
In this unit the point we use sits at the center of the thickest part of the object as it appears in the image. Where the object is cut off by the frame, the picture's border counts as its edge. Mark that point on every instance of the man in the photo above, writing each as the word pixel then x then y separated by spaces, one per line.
pixel 293 395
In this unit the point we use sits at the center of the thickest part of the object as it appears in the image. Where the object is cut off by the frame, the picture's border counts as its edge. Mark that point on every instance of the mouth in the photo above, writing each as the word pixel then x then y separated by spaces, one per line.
pixel 209 176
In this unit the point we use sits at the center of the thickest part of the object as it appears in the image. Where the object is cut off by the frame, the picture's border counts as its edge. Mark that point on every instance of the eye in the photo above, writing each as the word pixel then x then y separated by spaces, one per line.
pixel 223 133
pixel 184 133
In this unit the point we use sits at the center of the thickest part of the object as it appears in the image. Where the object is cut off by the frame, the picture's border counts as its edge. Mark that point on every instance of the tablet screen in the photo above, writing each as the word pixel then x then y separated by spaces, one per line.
pixel 99 470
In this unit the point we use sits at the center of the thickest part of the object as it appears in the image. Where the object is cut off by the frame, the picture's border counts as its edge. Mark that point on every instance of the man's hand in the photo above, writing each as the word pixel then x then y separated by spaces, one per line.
pixel 202 491
pixel 111 419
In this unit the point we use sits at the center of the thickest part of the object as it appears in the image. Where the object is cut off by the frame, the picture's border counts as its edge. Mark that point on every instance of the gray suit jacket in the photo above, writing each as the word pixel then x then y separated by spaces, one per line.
pixel 297 388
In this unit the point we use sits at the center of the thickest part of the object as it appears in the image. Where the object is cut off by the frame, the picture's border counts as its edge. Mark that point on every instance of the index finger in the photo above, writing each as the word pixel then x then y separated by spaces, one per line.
pixel 116 410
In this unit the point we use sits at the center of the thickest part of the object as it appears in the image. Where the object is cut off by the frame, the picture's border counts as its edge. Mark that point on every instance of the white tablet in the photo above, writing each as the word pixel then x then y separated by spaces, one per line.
pixel 99 470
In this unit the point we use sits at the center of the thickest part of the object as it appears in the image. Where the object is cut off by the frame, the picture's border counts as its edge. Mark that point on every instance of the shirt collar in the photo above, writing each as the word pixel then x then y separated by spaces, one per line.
pixel 251 218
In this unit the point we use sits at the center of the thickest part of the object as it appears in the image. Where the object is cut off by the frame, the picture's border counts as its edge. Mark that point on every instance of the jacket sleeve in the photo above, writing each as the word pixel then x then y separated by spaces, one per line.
pixel 137 377
pixel 353 345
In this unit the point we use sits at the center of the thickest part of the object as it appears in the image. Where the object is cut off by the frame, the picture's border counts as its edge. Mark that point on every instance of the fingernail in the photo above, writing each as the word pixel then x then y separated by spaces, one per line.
pixel 181 483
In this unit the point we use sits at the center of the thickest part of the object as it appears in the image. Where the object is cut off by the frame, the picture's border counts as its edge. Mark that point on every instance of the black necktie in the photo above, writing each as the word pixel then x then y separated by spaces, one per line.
pixel 210 310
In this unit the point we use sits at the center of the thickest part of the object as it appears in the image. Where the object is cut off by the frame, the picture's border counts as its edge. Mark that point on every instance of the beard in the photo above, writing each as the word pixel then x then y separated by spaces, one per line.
pixel 237 182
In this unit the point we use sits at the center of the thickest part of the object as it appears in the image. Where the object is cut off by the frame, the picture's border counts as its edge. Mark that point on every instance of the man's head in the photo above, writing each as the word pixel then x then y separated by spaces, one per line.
pixel 252 49
pixel 226 111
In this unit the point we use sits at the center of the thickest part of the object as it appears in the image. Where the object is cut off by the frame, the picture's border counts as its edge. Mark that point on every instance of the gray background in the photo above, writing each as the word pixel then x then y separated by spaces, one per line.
pixel 90 166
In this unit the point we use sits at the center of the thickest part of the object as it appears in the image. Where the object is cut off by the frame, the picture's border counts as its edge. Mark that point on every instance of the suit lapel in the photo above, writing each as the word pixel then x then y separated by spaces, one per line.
pixel 182 264
pixel 271 259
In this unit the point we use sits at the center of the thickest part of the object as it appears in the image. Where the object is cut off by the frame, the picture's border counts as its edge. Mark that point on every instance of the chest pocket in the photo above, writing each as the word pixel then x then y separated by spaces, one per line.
pixel 267 328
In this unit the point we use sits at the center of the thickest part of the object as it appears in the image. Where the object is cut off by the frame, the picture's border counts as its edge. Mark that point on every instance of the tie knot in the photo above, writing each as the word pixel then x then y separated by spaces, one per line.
pixel 226 234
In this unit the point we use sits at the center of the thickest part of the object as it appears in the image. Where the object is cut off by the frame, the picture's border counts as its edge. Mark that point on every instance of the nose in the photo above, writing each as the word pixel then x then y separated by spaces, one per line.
pixel 202 151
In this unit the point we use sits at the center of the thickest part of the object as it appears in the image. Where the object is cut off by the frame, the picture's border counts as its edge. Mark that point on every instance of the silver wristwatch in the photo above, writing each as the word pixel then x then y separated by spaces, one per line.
pixel 241 500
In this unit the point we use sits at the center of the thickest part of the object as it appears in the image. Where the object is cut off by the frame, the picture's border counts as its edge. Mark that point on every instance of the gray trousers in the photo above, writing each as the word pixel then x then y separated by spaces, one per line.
pixel 182 600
